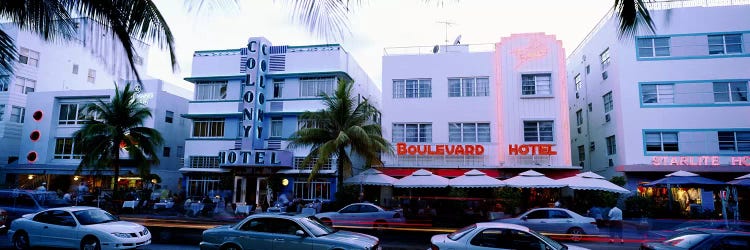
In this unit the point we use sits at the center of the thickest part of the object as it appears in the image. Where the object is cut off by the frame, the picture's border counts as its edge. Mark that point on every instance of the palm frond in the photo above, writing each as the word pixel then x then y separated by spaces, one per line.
pixel 326 19
pixel 8 54
pixel 633 15
pixel 50 20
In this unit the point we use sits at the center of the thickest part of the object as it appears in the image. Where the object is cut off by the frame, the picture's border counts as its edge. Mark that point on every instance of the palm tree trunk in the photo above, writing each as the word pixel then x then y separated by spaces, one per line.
pixel 340 170
pixel 116 168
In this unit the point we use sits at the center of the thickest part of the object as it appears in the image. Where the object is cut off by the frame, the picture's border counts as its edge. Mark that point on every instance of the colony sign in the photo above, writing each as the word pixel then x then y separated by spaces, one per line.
pixel 440 149
pixel 704 160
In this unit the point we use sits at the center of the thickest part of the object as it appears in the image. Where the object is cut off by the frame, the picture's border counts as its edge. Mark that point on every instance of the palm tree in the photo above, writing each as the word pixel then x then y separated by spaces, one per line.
pixel 114 126
pixel 344 125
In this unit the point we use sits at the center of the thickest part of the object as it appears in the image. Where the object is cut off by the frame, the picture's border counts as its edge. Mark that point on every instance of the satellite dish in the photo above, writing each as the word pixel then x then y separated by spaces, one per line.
pixel 435 49
pixel 457 41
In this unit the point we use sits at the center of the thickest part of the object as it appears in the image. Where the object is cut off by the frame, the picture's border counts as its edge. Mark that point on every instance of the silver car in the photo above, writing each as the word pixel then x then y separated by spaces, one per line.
pixel 284 231
pixel 494 235
pixel 556 221
pixel 363 215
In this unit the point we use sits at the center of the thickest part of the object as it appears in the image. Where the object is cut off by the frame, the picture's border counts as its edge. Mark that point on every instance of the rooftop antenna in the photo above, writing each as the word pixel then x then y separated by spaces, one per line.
pixel 447 23
pixel 457 41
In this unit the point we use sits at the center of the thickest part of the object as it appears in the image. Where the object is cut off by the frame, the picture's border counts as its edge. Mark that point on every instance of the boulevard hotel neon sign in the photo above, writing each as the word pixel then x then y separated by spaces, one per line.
pixel 440 149
pixel 705 160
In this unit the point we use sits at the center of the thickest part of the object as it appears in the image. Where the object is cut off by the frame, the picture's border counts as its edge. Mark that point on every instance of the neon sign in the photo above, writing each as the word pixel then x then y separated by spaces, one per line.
pixel 704 160
pixel 442 149
pixel 535 50
pixel 533 149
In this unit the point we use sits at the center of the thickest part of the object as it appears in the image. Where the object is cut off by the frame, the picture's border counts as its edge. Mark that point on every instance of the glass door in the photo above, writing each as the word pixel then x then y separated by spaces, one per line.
pixel 239 189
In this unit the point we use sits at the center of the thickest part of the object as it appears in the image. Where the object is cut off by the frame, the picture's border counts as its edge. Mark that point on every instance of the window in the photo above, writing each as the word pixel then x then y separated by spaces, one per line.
pixel 276 126
pixel 412 132
pixel 65 148
pixel 724 44
pixel 4 83
pixel 28 57
pixel 299 160
pixel 307 123
pixel 730 91
pixel 74 113
pixel 166 151
pixel 315 86
pixel 591 107
pixel 412 88
pixel 315 189
pixel 657 93
pixel 204 161
pixel 469 132
pixel 536 84
pixel 24 85
pixel 653 47
pixel 611 145
pixel 2 111
pixel 581 153
pixel 588 69
pixel 202 185
pixel 211 127
pixel 92 76
pixel 16 114
pixel 607 102
pixel 278 86
pixel 538 131
pixel 169 117
pixel 662 141
pixel 579 117
pixel 738 141
pixel 592 146
pixel 579 83
pixel 604 58
pixel 213 90
pixel 458 87
pixel 75 69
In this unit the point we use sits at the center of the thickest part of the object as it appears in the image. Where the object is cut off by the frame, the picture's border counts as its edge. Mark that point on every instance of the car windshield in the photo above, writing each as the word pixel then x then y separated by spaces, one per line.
pixel 461 232
pixel 317 227
pixel 686 241
pixel 551 242
pixel 93 216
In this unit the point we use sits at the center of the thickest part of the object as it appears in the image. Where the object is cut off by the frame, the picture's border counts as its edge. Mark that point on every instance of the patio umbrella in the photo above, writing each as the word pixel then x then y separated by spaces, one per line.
pixel 743 181
pixel 475 179
pixel 421 179
pixel 684 178
pixel 591 181
pixel 371 177
pixel 532 179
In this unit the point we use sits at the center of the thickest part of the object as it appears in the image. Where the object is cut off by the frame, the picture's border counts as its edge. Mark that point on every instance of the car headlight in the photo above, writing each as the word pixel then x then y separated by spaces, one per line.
pixel 145 231
pixel 122 235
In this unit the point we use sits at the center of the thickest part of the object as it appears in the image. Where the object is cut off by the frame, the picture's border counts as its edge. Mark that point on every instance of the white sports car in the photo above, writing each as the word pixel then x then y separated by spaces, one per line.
pixel 86 228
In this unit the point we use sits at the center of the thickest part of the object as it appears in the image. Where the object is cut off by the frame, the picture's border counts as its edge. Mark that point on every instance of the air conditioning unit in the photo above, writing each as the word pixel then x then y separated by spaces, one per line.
pixel 577 95
pixel 607 118
pixel 611 163
pixel 605 75
pixel 579 130
pixel 592 146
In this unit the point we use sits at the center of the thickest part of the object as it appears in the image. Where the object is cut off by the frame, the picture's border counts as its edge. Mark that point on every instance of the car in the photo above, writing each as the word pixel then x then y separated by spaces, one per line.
pixel 363 215
pixel 3 219
pixel 496 235
pixel 284 231
pixel 17 202
pixel 78 227
pixel 556 221
pixel 742 226
pixel 703 239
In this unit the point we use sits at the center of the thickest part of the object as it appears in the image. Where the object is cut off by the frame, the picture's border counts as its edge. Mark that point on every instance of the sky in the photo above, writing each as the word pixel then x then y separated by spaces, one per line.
pixel 374 25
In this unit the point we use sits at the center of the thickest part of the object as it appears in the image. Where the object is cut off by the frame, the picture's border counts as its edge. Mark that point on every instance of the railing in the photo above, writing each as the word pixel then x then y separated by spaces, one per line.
pixel 425 50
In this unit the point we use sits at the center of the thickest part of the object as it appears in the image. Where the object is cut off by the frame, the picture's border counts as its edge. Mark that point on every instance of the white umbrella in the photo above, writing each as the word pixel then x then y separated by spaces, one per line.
pixel 421 179
pixel 591 181
pixel 371 177
pixel 475 179
pixel 532 179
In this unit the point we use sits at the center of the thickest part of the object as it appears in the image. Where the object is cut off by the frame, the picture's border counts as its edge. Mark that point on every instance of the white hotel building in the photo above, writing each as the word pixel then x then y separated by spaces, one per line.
pixel 49 79
pixel 493 101
pixel 657 103
pixel 247 104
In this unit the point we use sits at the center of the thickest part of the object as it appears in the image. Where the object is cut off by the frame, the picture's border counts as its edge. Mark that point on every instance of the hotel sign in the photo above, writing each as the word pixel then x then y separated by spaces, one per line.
pixel 440 149
pixel 704 160
pixel 258 158
pixel 531 149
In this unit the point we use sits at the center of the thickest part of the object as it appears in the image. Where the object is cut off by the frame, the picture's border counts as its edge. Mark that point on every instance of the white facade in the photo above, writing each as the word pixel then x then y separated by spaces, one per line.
pixel 471 96
pixel 667 109
pixel 289 78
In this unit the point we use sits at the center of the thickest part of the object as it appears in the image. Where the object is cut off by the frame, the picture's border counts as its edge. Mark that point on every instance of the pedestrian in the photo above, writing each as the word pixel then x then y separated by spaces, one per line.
pixel 42 188
pixel 615 224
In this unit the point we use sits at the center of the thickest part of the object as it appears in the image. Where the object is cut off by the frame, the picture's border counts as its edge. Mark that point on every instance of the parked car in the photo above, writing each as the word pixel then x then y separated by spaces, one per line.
pixel 76 227
pixel 284 231
pixel 703 239
pixel 363 215
pixel 496 235
pixel 741 226
pixel 18 202
pixel 557 221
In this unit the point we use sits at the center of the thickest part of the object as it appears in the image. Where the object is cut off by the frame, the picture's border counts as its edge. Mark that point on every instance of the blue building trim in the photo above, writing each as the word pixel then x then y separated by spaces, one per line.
pixel 211 139
pixel 315 45
pixel 282 113
pixel 297 99
pixel 689 105
pixel 340 74
pixel 217 50
pixel 661 58
pixel 206 101
pixel 216 115
pixel 214 78
pixel 678 153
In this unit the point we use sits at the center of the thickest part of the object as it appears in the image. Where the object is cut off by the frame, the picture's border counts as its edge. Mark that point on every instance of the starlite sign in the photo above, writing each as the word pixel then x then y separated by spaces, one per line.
pixel 704 160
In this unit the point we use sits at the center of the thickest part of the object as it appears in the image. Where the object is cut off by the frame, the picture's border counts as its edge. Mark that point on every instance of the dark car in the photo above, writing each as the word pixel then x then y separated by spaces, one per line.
pixel 703 239
pixel 19 202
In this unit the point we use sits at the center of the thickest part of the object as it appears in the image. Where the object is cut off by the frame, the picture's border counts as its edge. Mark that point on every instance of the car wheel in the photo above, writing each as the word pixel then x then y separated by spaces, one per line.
pixel 230 247
pixel 576 234
pixel 90 243
pixel 327 222
pixel 21 241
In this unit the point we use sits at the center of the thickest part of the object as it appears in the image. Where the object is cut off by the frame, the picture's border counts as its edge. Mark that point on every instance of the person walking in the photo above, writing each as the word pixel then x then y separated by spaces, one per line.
pixel 615 224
